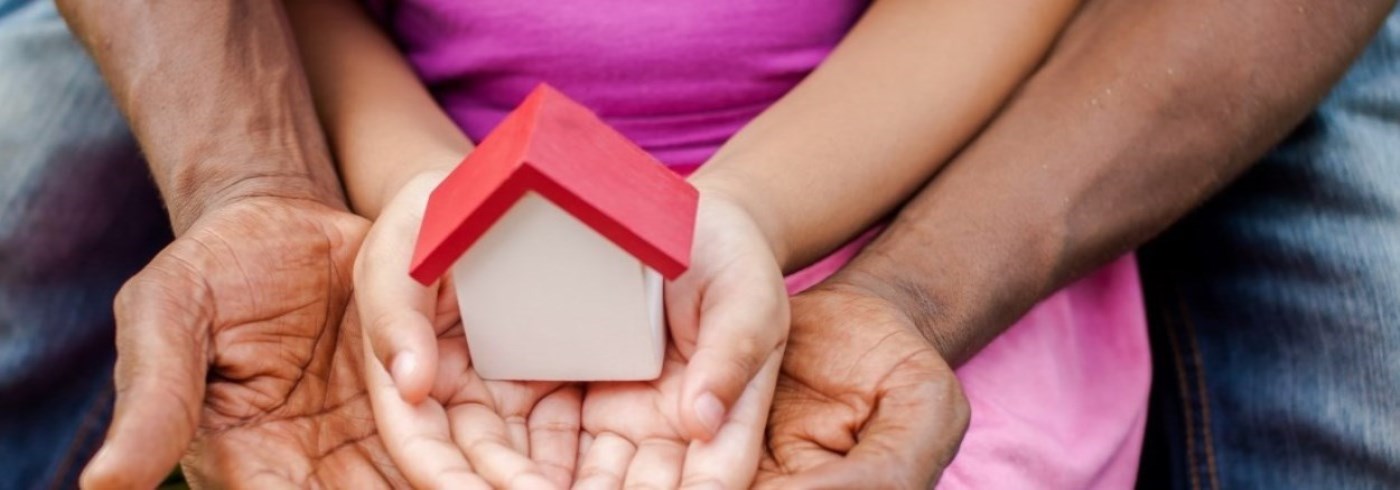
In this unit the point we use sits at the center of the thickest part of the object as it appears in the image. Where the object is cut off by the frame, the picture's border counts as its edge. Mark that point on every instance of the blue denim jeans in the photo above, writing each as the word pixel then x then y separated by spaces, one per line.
pixel 1276 308
pixel 78 216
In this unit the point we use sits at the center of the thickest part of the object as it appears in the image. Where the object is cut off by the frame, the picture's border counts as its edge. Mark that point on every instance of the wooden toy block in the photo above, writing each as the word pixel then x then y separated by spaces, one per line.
pixel 558 232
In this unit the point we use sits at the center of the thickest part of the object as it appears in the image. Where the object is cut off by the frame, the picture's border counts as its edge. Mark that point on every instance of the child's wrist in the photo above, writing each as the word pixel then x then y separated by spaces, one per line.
pixel 713 186
pixel 395 179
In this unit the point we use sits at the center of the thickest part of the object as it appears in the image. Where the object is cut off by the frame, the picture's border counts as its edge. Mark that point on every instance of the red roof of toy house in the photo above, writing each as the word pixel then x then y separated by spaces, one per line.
pixel 555 147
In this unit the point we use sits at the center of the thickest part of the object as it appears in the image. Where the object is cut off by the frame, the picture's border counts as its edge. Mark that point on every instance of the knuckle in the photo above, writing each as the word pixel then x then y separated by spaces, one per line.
pixel 744 358
pixel 135 291
pixel 381 325
pixel 957 401
pixel 172 284
pixel 745 349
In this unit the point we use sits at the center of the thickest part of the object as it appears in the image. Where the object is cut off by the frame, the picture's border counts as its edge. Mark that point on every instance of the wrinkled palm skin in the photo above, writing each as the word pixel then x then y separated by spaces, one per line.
pixel 260 289
pixel 863 400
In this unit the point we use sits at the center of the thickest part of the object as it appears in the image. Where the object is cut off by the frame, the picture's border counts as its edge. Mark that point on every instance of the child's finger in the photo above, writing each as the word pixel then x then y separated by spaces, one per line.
pixel 484 437
pixel 730 459
pixel 554 434
pixel 605 463
pixel 417 437
pixel 656 464
pixel 396 311
pixel 743 321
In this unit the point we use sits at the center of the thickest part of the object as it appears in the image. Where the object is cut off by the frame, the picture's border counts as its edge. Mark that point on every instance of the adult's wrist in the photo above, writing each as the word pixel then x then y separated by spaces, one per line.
pixel 195 191
pixel 958 297
pixel 229 118
pixel 925 309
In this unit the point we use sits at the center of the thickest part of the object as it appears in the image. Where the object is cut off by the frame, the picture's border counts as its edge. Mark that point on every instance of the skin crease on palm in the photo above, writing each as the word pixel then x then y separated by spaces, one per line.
pixel 251 300
pixel 286 405
pixel 863 400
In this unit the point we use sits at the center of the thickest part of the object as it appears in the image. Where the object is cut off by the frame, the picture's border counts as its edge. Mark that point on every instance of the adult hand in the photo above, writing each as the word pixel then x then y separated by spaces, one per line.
pixel 701 422
pixel 442 424
pixel 233 338
pixel 863 400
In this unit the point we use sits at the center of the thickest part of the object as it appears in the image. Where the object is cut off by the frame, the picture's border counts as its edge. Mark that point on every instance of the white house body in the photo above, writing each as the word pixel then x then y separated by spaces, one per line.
pixel 545 297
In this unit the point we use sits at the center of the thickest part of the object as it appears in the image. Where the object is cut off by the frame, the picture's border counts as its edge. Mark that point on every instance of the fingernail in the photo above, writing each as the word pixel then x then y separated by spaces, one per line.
pixel 403 366
pixel 710 411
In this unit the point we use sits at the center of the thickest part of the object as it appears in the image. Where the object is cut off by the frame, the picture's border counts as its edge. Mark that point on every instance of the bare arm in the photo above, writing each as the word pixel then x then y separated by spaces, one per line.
pixel 383 124
pixel 907 87
pixel 1141 112
pixel 216 96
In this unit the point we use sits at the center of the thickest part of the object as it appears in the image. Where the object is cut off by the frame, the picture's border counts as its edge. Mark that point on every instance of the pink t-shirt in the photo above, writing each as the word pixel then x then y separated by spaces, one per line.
pixel 1058 401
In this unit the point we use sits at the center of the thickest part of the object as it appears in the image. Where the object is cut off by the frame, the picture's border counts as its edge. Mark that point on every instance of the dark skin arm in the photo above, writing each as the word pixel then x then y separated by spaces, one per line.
pixel 216 96
pixel 234 354
pixel 1141 112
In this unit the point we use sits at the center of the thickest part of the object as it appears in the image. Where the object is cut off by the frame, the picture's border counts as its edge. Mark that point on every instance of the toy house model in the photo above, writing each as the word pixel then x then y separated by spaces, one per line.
pixel 558 231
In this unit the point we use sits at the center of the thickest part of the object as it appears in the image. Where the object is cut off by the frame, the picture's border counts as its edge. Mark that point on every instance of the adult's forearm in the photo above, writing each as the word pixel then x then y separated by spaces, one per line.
pixel 216 96
pixel 1141 112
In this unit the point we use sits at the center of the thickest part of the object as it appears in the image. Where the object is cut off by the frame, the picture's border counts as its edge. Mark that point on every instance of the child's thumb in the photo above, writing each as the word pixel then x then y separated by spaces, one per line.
pixel 733 345
pixel 396 312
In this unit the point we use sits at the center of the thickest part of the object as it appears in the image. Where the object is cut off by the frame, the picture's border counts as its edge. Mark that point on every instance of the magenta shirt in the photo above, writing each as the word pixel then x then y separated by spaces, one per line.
pixel 1059 400
pixel 677 77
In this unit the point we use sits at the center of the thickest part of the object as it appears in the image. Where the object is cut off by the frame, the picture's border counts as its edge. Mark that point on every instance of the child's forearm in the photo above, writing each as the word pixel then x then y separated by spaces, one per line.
pixel 909 86
pixel 383 125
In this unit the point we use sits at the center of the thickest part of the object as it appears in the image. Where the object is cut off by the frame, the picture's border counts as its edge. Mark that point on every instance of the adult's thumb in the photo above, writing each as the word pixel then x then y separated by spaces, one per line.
pixel 162 332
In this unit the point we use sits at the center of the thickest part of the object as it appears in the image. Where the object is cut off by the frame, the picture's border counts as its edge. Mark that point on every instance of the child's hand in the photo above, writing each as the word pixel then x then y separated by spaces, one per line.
pixel 442 424
pixel 728 319
pixel 727 314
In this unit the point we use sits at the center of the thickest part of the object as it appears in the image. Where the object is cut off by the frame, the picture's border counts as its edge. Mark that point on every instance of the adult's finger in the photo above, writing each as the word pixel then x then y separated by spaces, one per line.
pixel 743 320
pixel 417 437
pixel 908 441
pixel 163 319
pixel 396 311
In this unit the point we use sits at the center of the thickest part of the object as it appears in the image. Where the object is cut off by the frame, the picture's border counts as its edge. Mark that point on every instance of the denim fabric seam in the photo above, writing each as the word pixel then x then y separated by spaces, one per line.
pixel 1207 439
pixel 1195 399
pixel 1188 422
pixel 77 448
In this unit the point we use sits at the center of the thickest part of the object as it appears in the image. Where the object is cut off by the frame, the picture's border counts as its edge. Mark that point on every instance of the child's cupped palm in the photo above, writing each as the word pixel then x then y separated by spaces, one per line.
pixel 632 437
pixel 731 302
pixel 728 318
pixel 474 433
